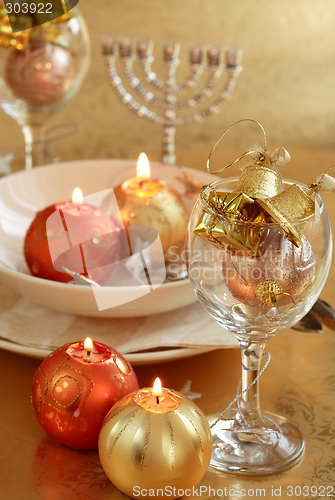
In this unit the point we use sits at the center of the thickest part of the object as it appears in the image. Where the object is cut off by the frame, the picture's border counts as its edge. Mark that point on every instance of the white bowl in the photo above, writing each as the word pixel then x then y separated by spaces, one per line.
pixel 24 193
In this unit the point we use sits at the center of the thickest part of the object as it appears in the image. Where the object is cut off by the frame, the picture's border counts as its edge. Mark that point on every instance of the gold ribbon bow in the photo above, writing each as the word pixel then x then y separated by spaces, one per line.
pixel 260 155
pixel 324 183
pixel 278 157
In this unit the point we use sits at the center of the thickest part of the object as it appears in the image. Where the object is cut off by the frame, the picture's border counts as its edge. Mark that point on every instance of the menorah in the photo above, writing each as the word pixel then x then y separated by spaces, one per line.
pixel 123 48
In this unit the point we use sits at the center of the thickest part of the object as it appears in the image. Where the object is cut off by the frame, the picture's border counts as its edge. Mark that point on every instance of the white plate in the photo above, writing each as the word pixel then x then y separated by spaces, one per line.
pixel 24 193
pixel 138 358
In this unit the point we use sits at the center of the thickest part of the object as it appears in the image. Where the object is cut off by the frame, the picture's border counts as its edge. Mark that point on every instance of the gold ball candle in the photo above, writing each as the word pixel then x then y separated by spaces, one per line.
pixel 74 388
pixel 148 202
pixel 155 442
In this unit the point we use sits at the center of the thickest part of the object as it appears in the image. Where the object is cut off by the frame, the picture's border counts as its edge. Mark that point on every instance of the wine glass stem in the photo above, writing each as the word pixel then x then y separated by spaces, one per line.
pixel 251 353
pixel 34 144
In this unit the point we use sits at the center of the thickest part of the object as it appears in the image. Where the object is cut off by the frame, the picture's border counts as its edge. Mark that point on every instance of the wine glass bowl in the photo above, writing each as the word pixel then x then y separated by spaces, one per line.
pixel 255 279
pixel 42 74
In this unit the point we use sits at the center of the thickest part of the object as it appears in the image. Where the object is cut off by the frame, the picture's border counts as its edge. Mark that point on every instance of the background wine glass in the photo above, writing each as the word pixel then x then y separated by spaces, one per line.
pixel 234 286
pixel 41 75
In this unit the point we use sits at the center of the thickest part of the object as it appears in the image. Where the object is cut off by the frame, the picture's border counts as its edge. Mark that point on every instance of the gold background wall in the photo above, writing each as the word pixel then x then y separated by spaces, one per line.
pixel 287 83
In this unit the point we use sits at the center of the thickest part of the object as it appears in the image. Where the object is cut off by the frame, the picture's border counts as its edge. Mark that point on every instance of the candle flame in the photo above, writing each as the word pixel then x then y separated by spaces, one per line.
pixel 143 167
pixel 88 344
pixel 157 389
pixel 77 196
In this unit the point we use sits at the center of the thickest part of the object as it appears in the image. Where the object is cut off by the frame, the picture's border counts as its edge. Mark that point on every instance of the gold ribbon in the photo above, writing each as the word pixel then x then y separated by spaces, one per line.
pixel 278 157
pixel 261 155
pixel 324 183
pixel 64 6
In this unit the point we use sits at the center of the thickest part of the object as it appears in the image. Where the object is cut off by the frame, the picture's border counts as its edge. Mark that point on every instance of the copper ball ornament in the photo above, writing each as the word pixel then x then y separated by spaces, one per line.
pixel 40 77
pixel 71 395
pixel 286 271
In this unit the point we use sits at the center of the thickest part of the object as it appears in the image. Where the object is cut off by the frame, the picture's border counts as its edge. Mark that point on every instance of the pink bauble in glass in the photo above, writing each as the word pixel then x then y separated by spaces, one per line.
pixel 278 260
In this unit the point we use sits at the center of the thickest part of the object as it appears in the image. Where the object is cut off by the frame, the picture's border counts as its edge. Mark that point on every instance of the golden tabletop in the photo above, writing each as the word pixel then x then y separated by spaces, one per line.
pixel 298 384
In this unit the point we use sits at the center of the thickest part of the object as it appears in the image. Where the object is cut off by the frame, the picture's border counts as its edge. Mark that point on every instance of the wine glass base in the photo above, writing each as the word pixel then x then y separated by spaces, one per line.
pixel 255 452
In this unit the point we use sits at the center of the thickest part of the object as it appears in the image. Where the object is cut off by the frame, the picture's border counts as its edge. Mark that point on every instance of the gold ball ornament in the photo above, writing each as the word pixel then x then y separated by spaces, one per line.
pixel 280 272
pixel 144 447
pixel 269 292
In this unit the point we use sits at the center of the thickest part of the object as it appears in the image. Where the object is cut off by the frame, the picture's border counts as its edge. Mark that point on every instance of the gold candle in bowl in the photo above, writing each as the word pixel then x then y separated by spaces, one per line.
pixel 147 202
pixel 155 442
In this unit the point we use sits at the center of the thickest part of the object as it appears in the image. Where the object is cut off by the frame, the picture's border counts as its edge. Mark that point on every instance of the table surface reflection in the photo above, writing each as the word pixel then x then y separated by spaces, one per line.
pixel 298 384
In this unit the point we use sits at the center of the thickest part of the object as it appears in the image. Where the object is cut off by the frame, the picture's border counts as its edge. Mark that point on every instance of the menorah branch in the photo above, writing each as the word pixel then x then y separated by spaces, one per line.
pixel 148 96
pixel 197 67
pixel 191 81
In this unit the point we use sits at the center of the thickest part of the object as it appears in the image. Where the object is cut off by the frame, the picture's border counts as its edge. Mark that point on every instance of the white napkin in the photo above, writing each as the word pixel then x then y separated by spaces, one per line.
pixel 33 325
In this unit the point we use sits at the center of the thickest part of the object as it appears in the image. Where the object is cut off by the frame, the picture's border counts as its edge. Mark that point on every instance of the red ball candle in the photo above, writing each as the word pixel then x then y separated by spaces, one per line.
pixel 74 235
pixel 75 387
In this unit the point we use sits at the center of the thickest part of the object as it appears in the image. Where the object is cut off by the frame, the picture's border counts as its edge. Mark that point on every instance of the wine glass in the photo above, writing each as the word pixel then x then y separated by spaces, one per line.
pixel 255 282
pixel 40 73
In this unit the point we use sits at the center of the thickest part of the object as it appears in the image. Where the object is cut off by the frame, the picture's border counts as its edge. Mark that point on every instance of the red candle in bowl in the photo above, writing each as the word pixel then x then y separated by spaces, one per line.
pixel 75 387
pixel 74 235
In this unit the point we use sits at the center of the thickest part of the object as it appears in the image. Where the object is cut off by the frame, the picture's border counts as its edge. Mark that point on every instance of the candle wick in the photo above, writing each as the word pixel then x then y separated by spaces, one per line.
pixel 88 353
pixel 157 400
